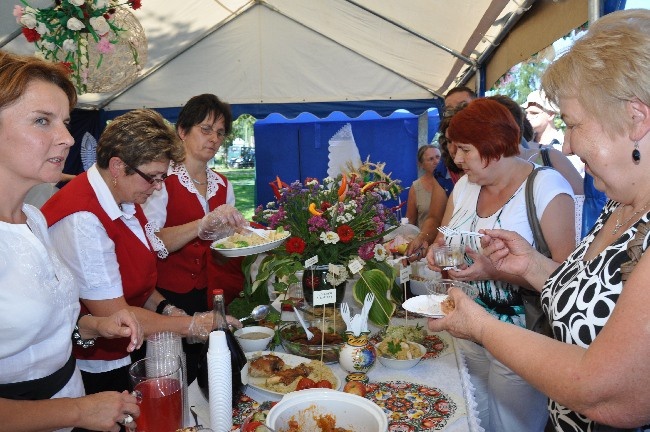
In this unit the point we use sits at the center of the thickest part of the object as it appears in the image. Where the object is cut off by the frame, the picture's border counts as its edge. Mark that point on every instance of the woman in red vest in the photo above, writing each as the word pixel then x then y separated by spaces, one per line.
pixel 187 271
pixel 99 229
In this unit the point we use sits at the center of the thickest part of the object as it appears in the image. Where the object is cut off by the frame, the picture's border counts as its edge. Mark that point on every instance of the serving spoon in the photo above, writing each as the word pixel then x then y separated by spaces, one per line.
pixel 258 313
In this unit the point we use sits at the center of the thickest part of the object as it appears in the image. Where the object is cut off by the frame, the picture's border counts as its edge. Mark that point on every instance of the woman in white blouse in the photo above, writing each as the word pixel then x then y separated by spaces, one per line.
pixel 40 385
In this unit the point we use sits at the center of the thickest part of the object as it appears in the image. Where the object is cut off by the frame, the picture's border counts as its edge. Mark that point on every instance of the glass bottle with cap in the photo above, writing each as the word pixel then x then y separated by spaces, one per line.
pixel 237 356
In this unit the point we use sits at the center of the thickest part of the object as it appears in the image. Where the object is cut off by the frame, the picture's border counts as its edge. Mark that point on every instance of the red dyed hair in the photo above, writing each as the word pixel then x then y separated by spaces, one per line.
pixel 488 126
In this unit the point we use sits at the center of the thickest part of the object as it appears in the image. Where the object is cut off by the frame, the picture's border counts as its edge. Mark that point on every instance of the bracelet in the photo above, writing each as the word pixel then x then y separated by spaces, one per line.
pixel 78 340
pixel 162 305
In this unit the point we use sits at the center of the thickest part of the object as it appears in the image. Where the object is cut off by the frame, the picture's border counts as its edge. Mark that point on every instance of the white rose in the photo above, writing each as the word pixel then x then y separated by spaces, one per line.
pixel 100 4
pixel 41 28
pixel 74 24
pixel 100 25
pixel 28 20
pixel 77 2
pixel 49 45
pixel 69 45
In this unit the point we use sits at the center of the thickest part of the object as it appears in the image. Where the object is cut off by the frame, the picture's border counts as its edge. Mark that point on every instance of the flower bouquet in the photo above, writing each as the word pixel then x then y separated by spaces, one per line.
pixel 62 33
pixel 335 222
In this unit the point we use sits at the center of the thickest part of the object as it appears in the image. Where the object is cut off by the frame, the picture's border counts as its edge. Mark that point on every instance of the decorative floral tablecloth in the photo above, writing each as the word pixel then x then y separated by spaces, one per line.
pixel 439 395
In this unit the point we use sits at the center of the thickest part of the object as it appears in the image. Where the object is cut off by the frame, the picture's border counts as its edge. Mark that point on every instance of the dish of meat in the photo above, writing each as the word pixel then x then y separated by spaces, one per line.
pixel 272 377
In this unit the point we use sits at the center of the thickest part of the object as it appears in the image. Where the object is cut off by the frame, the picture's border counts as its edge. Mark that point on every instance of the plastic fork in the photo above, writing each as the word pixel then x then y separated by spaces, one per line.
pixel 260 232
pixel 345 314
pixel 309 334
pixel 450 232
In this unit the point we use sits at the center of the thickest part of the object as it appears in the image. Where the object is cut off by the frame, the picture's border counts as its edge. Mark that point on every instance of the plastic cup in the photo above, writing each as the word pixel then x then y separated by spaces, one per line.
pixel 163 344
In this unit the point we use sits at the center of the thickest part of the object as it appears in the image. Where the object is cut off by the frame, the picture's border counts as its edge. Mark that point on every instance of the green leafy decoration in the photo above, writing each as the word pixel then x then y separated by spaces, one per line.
pixel 375 281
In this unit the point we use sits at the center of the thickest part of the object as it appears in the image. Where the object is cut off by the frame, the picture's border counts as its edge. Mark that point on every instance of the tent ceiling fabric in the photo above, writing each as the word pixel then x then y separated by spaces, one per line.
pixel 291 51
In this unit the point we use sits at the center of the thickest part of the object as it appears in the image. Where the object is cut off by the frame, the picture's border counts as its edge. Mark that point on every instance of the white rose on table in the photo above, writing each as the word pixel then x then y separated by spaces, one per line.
pixel 100 25
pixel 77 2
pixel 74 24
pixel 28 20
pixel 69 45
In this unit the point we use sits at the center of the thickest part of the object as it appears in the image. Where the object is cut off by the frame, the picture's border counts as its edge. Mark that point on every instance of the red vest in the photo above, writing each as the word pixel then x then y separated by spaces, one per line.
pixel 137 263
pixel 193 266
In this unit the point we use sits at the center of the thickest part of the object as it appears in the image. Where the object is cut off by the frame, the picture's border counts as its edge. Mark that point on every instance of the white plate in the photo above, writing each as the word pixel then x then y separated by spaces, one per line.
pixel 250 250
pixel 289 360
pixel 427 305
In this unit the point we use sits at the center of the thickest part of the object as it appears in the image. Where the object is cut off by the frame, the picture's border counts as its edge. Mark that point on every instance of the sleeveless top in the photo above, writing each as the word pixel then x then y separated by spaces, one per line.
pixel 423 198
pixel 587 290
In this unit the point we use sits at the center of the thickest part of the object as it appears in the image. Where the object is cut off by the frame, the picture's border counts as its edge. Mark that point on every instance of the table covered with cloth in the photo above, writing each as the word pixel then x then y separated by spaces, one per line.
pixel 435 395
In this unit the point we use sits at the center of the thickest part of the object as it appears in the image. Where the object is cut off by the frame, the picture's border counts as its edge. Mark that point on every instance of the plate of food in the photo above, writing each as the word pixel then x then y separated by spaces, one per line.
pixel 430 305
pixel 433 343
pixel 249 243
pixel 277 374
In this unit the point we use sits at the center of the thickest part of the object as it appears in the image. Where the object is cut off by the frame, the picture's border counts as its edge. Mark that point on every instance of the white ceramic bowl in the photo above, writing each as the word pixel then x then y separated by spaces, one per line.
pixel 421 275
pixel 392 363
pixel 258 344
pixel 350 411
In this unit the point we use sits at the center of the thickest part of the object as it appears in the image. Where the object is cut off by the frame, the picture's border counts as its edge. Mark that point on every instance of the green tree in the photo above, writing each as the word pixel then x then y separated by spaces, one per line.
pixel 521 79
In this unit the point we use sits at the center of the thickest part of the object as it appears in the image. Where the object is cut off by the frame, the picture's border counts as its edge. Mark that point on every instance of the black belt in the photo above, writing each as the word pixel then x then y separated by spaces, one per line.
pixel 40 388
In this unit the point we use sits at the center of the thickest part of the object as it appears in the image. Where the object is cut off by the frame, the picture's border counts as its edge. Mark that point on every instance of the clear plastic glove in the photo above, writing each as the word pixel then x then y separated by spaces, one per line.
pixel 220 222
pixel 171 310
pixel 202 324
pixel 200 327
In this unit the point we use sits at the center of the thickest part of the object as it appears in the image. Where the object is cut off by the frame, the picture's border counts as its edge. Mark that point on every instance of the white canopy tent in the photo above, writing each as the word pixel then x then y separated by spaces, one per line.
pixel 306 51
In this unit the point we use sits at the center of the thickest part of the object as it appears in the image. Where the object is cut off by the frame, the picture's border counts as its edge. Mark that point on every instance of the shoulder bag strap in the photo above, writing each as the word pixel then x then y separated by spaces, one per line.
pixel 531 212
pixel 545 156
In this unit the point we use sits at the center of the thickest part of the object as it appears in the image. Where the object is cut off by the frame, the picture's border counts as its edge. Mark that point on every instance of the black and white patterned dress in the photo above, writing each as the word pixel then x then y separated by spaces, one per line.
pixel 580 297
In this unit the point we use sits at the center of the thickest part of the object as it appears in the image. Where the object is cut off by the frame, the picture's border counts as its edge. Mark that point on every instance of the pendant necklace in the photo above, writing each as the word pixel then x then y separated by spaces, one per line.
pixel 199 182
pixel 620 224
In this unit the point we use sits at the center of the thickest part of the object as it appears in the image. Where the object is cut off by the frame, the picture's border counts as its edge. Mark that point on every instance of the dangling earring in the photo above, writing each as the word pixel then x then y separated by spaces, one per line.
pixel 636 154
pixel 114 181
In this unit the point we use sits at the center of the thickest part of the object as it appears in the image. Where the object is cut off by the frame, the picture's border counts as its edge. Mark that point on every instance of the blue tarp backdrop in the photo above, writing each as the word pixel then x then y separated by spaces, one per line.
pixel 297 148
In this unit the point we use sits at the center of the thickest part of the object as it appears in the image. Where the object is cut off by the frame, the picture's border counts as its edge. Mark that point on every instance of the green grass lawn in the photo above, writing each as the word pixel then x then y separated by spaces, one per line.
pixel 243 182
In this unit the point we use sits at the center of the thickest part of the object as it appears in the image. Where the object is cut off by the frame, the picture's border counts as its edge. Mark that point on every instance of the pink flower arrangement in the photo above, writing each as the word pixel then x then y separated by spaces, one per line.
pixel 63 32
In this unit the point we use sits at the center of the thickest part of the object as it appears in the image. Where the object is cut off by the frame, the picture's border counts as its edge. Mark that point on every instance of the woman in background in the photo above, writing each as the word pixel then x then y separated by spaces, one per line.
pixel 40 385
pixel 420 192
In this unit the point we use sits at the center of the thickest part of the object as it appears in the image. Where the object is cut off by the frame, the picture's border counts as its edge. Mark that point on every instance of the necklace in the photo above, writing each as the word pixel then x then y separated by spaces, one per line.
pixel 620 224
pixel 199 182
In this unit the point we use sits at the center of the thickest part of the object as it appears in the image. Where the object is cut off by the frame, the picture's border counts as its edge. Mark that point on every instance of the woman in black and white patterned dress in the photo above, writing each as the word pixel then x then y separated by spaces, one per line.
pixel 597 370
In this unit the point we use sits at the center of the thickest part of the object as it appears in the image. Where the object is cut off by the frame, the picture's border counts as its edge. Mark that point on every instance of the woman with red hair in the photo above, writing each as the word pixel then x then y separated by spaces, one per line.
pixel 490 195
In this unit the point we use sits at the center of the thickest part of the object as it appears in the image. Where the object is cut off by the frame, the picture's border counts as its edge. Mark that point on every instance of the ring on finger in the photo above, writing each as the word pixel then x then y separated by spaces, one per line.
pixel 126 419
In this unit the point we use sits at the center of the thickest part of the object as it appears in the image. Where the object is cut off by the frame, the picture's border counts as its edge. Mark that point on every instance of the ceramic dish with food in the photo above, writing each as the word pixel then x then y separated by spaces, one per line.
pixel 399 353
pixel 254 338
pixel 421 274
pixel 244 244
pixel 301 412
pixel 295 341
pixel 277 374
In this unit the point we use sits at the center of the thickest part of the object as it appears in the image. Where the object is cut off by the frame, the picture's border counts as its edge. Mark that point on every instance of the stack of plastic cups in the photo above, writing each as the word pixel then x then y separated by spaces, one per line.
pixel 220 382
pixel 161 345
